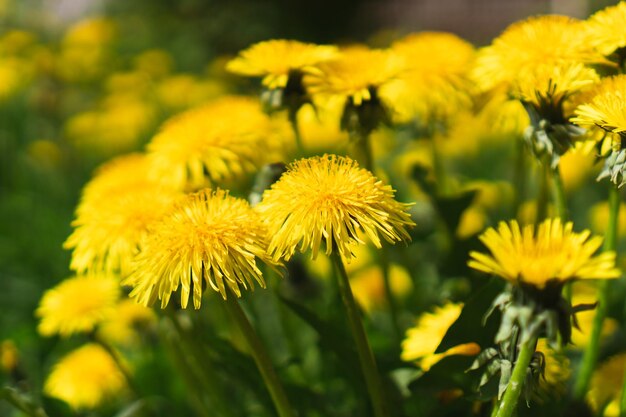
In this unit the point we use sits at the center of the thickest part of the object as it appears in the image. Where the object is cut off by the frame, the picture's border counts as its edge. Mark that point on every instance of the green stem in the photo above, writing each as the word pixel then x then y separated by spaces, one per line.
pixel 560 201
pixel 544 191
pixel 114 354
pixel 364 350
pixel 364 146
pixel 508 405
pixel 261 357
pixel 25 405
pixel 391 301
pixel 590 357
pixel 295 126
pixel 200 365
pixel 519 177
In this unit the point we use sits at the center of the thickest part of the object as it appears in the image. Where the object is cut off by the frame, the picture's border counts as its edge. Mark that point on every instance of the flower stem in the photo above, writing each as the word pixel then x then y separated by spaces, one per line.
pixel 508 405
pixel 364 350
pixel 114 354
pixel 261 357
pixel 391 302
pixel 544 191
pixel 295 126
pixel 590 356
pixel 560 201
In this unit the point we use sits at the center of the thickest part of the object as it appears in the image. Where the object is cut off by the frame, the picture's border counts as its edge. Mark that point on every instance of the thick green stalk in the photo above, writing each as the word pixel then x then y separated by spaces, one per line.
pixel 590 356
pixel 366 356
pixel 560 201
pixel 508 405
pixel 261 357
pixel 544 192
pixel 295 126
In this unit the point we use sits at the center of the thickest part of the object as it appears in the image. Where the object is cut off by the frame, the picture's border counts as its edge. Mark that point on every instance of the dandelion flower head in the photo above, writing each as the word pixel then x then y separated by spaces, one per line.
pixel 355 74
pixel 85 378
pixel 435 78
pixel 330 198
pixel 551 254
pixel 77 304
pixel 606 386
pixel 422 340
pixel 209 238
pixel 605 29
pixel 225 139
pixel 607 107
pixel 542 40
pixel 275 59
pixel 114 212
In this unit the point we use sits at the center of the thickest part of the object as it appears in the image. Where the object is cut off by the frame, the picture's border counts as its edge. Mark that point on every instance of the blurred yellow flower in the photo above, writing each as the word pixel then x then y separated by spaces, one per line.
pixel 15 75
pixel 77 304
pixel 219 141
pixel 45 153
pixel 130 170
pixel 320 131
pixel 85 378
pixel 434 81
pixel 276 59
pixel 122 328
pixel 551 254
pixel 599 218
pixel 181 91
pixel 576 166
pixel 548 41
pixel 424 338
pixel 330 198
pixel 368 285
pixel 606 386
pixel 91 32
pixel 607 107
pixel 556 371
pixel 355 74
pixel 155 62
pixel 604 29
pixel 586 293
pixel 217 240
pixel 9 356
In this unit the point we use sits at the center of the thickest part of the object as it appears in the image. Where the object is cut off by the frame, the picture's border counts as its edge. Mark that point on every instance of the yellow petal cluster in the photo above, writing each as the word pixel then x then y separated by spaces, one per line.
pixel 605 29
pixel 422 340
pixel 208 238
pixel 221 140
pixel 330 198
pixel 275 59
pixel 77 304
pixel 549 40
pixel 85 378
pixel 435 76
pixel 113 215
pixel 553 253
pixel 354 74
pixel 607 107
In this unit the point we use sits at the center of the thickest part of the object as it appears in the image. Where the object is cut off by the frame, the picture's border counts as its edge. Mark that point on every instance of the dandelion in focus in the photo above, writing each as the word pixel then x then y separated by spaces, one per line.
pixel 330 199
pixel 218 240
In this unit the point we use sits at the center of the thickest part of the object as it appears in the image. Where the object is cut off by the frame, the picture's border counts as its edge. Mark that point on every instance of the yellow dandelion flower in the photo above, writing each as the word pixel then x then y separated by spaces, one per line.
pixel 330 198
pixel 368 285
pixel 548 86
pixel 552 254
pixel 607 108
pixel 224 139
pixel 275 59
pixel 599 218
pixel 422 341
pixel 109 226
pixel 537 41
pixel 123 171
pixel 85 378
pixel 155 62
pixel 584 293
pixel 91 32
pixel 606 386
pixel 217 240
pixel 77 304
pixel 435 79
pixel 605 29
pixel 122 327
pixel 355 74
pixel 9 356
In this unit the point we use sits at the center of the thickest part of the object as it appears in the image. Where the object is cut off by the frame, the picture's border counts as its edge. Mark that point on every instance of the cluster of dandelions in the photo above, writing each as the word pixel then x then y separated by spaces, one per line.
pixel 172 221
